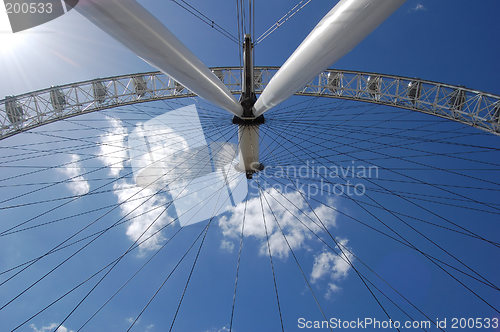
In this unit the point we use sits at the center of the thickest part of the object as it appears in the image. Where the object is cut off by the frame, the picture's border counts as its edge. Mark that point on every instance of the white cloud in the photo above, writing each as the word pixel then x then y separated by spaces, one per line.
pixel 50 327
pixel 77 183
pixel 131 320
pixel 113 149
pixel 419 7
pixel 147 207
pixel 222 329
pixel 227 245
pixel 333 267
pixel 135 202
pixel 332 288
pixel 285 212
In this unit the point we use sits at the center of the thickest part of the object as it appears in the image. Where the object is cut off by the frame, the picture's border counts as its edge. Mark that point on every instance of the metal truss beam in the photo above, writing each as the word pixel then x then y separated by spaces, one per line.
pixel 30 110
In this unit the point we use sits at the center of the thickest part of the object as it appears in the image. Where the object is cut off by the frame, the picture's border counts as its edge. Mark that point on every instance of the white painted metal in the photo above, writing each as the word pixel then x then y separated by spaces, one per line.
pixel 349 22
pixel 133 26
pixel 248 138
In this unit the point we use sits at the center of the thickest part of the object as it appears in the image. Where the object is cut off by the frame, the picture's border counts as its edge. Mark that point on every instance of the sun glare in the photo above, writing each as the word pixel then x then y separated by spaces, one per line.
pixel 9 41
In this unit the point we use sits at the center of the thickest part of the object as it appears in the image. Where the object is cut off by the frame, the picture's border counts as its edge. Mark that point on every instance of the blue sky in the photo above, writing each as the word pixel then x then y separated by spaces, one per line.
pixel 451 181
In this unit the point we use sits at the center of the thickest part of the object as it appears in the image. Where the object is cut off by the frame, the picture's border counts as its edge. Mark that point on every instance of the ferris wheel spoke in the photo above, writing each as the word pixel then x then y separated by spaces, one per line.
pixel 90 157
pixel 284 165
pixel 204 232
pixel 327 156
pixel 71 200
pixel 100 232
pixel 76 252
pixel 262 192
pixel 122 149
pixel 82 238
pixel 342 253
pixel 378 185
pixel 313 119
pixel 443 200
pixel 135 245
pixel 383 132
pixel 351 117
pixel 394 170
pixel 345 248
pixel 125 284
pixel 365 224
pixel 289 162
pixel 51 222
pixel 421 234
pixel 437 262
pixel 284 128
pixel 78 232
pixel 131 248
pixel 362 277
pixel 271 262
pixel 347 24
pixel 89 279
pixel 133 26
pixel 238 261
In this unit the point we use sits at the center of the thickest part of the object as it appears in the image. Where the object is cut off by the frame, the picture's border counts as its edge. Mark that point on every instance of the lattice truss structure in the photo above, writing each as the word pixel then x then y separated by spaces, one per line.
pixel 457 103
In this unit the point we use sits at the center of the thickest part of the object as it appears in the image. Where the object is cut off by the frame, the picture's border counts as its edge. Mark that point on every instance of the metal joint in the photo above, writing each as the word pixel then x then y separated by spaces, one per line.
pixel 249 121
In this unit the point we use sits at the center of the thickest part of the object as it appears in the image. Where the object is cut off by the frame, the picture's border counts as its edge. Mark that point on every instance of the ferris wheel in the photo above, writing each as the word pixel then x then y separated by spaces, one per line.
pixel 257 207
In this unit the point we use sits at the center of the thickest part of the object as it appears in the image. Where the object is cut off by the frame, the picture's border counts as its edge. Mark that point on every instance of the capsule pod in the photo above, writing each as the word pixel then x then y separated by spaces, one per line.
pixel 333 82
pixel 57 99
pixel 257 79
pixel 373 86
pixel 100 91
pixel 457 99
pixel 14 110
pixel 140 86
pixel 413 91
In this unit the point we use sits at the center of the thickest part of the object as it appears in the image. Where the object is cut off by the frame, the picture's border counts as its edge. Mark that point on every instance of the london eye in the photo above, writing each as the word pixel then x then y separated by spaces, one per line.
pixel 249 197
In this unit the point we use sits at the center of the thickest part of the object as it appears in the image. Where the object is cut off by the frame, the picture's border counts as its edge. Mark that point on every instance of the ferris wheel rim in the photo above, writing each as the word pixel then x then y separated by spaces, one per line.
pixel 33 109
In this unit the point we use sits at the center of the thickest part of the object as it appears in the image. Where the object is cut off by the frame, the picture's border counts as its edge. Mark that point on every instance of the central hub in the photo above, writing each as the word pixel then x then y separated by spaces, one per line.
pixel 248 124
